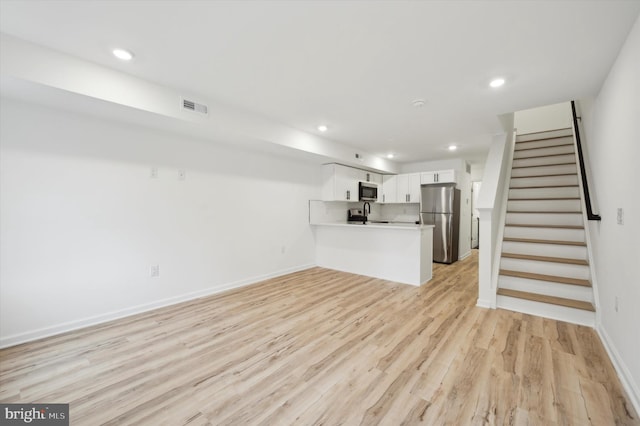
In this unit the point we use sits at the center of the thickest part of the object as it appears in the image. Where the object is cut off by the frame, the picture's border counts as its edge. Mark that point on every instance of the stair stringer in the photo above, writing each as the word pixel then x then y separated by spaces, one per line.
pixel 495 269
pixel 587 234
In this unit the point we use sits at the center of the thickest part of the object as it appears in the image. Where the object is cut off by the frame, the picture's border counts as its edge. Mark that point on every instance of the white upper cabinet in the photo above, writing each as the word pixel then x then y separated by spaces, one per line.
pixel 402 191
pixel 441 176
pixel 407 188
pixel 340 183
pixel 365 176
pixel 374 177
pixel 389 189
pixel 414 188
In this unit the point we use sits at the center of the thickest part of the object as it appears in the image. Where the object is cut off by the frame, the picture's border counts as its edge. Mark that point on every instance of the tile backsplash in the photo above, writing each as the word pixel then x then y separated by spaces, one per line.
pixel 401 212
pixel 336 211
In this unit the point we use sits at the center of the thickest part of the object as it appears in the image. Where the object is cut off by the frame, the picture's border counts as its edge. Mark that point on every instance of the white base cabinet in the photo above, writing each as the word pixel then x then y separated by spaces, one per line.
pixel 398 254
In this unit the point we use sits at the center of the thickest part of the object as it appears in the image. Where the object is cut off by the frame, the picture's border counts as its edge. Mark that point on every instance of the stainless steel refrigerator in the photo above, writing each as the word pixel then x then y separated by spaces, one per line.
pixel 440 206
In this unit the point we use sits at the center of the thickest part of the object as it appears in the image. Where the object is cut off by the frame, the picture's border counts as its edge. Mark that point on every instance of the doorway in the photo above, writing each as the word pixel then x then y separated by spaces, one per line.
pixel 475 215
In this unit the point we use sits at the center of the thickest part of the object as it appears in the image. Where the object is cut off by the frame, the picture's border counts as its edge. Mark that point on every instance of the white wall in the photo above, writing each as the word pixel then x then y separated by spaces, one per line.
pixel 612 141
pixel 550 117
pixel 35 67
pixel 435 165
pixel 477 171
pixel 82 221
pixel 464 181
pixel 491 205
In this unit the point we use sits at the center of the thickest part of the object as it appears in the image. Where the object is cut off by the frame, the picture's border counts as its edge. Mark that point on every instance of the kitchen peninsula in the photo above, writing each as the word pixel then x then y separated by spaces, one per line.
pixel 390 251
pixel 392 244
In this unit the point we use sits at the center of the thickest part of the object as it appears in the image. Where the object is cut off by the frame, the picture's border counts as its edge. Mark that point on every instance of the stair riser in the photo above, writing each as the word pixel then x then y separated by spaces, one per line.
pixel 523 142
pixel 544 161
pixel 544 181
pixel 555 134
pixel 562 192
pixel 544 206
pixel 544 233
pixel 546 170
pixel 544 219
pixel 561 313
pixel 546 268
pixel 552 250
pixel 553 150
pixel 566 291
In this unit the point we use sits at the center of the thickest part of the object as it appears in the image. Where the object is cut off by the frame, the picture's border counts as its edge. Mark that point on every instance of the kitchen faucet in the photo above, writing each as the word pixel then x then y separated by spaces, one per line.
pixel 364 211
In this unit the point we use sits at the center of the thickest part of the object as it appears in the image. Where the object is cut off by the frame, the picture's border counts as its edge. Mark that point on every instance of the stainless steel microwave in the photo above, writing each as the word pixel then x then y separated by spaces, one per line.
pixel 368 191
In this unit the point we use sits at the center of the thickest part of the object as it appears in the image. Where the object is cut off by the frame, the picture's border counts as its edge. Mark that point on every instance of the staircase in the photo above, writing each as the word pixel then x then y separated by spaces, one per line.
pixel 544 267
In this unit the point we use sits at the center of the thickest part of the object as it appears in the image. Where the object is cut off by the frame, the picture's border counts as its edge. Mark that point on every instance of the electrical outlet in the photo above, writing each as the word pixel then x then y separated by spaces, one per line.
pixel 182 174
pixel 154 271
pixel 154 173
pixel 283 249
pixel 620 216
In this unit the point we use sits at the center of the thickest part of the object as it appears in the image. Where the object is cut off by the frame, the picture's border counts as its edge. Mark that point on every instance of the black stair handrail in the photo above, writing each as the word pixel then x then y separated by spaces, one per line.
pixel 583 171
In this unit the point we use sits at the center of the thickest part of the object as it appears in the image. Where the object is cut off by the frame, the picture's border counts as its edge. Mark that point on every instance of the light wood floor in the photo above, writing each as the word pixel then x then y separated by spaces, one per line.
pixel 325 347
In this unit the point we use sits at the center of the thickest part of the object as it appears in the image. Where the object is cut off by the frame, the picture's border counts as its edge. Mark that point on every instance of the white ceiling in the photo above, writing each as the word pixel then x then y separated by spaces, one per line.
pixel 354 65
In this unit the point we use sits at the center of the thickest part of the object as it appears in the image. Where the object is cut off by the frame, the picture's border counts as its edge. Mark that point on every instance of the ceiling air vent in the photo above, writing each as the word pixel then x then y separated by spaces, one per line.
pixel 194 106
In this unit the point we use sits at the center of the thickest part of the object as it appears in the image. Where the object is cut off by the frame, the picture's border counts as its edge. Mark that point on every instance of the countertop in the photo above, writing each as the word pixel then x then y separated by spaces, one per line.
pixel 393 225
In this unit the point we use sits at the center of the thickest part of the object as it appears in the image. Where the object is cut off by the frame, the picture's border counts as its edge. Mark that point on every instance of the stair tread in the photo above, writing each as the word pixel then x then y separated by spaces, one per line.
pixel 539 176
pixel 570 303
pixel 535 241
pixel 542 147
pixel 546 258
pixel 543 277
pixel 544 186
pixel 531 225
pixel 544 156
pixel 542 199
pixel 545 165
pixel 542 211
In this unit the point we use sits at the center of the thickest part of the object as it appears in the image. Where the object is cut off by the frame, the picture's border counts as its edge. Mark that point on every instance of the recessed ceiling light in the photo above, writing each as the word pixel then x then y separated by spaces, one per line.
pixel 497 82
pixel 323 128
pixel 390 156
pixel 452 147
pixel 122 54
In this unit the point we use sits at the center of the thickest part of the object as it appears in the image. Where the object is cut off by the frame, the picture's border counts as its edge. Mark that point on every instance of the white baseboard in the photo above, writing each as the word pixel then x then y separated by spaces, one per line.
pixel 628 383
pixel 16 339
pixel 484 304
pixel 464 256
